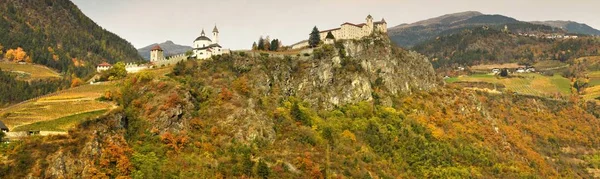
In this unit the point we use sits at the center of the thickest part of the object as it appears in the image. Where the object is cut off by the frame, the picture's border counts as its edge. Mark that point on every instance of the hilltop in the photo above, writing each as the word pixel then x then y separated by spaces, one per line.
pixel 169 48
pixel 409 35
pixel 58 35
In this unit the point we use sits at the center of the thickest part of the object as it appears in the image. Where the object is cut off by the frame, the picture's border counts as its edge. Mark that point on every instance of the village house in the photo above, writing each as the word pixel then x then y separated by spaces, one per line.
pixel 103 67
pixel 3 127
pixel 496 71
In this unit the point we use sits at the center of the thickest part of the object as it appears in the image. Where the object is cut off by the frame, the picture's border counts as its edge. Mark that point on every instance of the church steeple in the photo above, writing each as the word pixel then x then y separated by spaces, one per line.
pixel 202 33
pixel 215 29
pixel 216 34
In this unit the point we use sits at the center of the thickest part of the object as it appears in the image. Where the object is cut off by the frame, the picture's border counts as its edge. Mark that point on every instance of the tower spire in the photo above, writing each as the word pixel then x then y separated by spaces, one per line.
pixel 202 33
pixel 215 29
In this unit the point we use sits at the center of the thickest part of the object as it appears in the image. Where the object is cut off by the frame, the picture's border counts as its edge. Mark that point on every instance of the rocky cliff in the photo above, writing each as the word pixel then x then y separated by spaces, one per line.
pixel 345 73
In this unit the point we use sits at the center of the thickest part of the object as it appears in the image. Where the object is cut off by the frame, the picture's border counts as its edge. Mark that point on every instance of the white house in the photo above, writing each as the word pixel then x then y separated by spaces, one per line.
pixel 496 71
pixel 103 67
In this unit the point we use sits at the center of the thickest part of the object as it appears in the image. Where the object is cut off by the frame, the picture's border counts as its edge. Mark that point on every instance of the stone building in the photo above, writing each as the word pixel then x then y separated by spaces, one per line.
pixel 356 31
pixel 156 54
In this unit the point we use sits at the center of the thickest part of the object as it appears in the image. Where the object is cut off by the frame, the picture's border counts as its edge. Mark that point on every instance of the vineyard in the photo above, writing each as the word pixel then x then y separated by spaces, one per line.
pixel 61 104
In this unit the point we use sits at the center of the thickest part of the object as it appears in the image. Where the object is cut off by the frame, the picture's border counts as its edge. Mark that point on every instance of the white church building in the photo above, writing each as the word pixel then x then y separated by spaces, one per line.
pixel 205 48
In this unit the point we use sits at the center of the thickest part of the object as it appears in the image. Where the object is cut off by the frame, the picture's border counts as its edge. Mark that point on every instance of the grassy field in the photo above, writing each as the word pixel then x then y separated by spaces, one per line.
pixel 531 84
pixel 65 103
pixel 29 71
pixel 62 124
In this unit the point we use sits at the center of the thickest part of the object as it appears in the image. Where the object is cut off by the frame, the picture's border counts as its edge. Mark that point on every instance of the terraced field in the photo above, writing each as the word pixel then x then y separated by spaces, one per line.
pixel 62 104
pixel 29 71
pixel 530 84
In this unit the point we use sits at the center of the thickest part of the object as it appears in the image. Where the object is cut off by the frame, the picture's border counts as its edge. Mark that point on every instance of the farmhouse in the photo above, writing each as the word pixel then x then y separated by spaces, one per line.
pixel 3 127
pixel 103 67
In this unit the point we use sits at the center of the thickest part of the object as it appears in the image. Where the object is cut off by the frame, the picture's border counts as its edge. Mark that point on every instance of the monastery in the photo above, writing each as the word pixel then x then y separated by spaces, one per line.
pixel 350 31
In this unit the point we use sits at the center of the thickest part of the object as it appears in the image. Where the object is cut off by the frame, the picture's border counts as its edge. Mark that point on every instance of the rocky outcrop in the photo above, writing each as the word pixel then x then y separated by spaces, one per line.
pixel 365 70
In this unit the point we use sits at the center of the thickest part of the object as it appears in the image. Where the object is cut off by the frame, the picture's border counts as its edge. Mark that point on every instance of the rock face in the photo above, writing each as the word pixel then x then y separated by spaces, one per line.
pixel 366 70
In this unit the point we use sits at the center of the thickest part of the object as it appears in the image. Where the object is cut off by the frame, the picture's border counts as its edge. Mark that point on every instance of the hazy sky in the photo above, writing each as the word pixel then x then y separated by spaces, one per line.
pixel 241 22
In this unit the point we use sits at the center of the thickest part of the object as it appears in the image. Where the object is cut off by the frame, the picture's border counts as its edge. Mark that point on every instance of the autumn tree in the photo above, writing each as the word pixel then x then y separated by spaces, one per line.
pixel 254 46
pixel 267 43
pixel 76 82
pixel 16 55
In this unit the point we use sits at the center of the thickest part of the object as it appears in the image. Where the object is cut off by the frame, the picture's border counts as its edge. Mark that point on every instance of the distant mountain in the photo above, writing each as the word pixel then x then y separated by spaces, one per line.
pixel 409 35
pixel 570 26
pixel 57 34
pixel 169 47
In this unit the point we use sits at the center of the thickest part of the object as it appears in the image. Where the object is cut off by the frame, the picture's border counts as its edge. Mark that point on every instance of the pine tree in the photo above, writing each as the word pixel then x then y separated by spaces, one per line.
pixel 254 46
pixel 315 38
pixel 329 35
pixel 261 43
pixel 274 45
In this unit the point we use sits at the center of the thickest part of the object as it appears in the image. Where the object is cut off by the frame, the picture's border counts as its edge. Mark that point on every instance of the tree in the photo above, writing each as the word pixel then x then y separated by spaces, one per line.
pixel 267 43
pixel 329 35
pixel 263 170
pixel 261 43
pixel 2 135
pixel 274 45
pixel 254 46
pixel 76 82
pixel 315 38
pixel 16 55
pixel 504 72
pixel 117 71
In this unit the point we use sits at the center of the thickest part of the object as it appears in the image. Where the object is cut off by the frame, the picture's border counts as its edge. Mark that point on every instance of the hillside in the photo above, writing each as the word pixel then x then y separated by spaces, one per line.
pixel 571 27
pixel 169 48
pixel 359 109
pixel 55 33
pixel 492 46
pixel 409 35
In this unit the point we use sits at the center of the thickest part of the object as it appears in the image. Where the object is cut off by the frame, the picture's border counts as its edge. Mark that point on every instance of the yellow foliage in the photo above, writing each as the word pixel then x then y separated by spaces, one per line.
pixel 16 55
pixel 349 135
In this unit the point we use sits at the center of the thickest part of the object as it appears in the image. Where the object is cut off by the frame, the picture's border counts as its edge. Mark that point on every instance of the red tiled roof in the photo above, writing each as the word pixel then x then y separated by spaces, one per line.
pixel 357 25
pixel 330 30
pixel 104 64
pixel 156 47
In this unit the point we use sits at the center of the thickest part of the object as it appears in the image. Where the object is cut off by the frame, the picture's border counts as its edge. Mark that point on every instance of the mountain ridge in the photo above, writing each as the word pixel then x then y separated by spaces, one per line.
pixel 409 35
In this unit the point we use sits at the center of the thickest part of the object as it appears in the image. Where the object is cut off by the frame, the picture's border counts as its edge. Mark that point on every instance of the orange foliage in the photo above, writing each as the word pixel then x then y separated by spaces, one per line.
pixel 116 154
pixel 76 82
pixel 16 55
pixel 225 94
pixel 176 142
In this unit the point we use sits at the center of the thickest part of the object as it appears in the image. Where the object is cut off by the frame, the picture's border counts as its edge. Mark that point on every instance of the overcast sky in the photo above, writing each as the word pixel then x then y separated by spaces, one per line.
pixel 241 22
